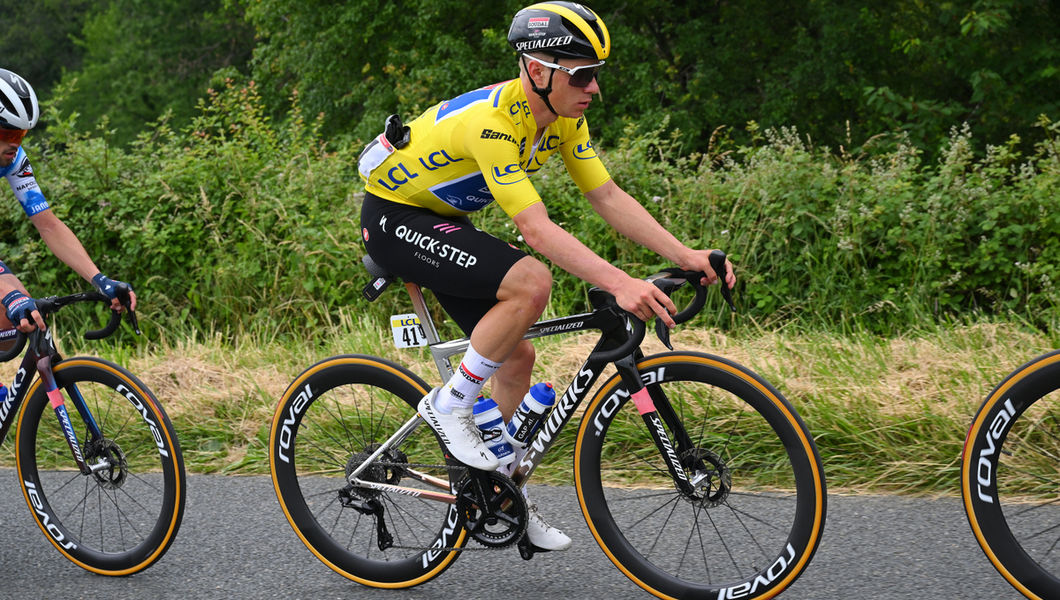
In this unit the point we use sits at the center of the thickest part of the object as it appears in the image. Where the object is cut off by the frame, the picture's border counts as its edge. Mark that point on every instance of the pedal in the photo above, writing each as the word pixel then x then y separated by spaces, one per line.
pixel 528 550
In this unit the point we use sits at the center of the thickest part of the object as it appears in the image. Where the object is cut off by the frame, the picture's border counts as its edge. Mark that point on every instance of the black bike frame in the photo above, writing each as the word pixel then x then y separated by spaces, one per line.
pixel 40 357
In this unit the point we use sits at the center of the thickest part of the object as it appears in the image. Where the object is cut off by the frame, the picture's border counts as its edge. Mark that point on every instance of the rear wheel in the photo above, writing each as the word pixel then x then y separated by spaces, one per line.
pixel 757 510
pixel 123 517
pixel 329 422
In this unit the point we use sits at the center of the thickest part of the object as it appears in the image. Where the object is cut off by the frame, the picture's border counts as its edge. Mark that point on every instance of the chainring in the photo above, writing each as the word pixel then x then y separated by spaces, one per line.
pixel 493 508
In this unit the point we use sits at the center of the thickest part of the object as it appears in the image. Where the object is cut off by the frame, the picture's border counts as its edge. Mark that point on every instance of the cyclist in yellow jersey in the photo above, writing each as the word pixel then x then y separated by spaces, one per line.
pixel 423 179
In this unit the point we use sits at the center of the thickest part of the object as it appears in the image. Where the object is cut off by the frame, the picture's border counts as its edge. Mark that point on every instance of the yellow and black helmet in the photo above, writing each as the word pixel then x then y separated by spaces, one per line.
pixel 562 29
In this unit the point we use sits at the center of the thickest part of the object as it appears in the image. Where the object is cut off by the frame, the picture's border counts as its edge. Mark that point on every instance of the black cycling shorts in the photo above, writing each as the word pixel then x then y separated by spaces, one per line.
pixel 462 265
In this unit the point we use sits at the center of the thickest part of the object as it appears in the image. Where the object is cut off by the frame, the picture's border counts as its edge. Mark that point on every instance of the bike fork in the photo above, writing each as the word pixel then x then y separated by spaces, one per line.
pixel 645 402
pixel 58 404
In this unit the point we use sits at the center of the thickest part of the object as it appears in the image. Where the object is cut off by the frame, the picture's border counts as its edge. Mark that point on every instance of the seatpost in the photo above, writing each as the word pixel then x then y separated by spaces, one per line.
pixel 419 305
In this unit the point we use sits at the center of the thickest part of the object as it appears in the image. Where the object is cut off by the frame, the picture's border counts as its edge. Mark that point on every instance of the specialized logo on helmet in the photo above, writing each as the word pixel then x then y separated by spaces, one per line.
pixel 20 86
pixel 542 44
pixel 565 29
pixel 19 110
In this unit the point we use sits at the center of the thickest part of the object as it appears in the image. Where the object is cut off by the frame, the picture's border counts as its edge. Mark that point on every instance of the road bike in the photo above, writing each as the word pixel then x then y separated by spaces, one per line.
pixel 104 480
pixel 694 475
pixel 1010 477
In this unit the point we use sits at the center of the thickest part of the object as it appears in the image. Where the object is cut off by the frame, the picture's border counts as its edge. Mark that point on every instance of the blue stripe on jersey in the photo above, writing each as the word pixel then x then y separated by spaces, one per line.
pixel 468 193
pixel 461 102
pixel 465 100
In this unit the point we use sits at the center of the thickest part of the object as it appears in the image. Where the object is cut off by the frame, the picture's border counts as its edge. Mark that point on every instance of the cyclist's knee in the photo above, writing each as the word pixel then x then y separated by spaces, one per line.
pixel 528 280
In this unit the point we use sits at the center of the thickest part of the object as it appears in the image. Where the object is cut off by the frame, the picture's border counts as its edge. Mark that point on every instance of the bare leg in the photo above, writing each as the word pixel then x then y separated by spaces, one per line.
pixel 522 298
pixel 511 382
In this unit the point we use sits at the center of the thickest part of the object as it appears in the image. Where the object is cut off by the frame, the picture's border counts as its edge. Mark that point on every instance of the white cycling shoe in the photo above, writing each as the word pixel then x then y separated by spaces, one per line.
pixel 543 535
pixel 459 433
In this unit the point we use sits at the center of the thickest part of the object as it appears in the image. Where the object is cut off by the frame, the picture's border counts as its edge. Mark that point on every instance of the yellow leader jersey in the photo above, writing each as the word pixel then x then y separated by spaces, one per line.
pixel 472 150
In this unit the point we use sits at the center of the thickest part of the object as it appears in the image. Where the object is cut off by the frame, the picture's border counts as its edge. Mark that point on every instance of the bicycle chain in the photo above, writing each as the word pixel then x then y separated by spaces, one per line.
pixel 477 548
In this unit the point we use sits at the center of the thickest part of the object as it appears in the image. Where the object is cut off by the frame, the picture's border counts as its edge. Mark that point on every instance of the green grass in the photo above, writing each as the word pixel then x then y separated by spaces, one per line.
pixel 888 414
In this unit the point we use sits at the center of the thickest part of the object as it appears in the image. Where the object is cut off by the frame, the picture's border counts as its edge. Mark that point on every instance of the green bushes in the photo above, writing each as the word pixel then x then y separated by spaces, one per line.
pixel 874 239
pixel 236 223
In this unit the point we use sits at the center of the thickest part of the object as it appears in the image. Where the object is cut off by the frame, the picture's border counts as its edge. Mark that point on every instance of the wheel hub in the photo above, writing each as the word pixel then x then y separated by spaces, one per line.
pixel 709 474
pixel 387 468
pixel 111 469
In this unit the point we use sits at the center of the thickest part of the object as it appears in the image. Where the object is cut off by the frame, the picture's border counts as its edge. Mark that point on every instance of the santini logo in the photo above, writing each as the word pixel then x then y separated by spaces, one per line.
pixel 489 134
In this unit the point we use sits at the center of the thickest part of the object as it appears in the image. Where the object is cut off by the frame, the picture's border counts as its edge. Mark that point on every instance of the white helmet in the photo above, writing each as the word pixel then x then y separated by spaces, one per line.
pixel 18 103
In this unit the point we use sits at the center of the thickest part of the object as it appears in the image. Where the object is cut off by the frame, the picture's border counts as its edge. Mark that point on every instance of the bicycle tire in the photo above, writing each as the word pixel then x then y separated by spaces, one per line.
pixel 751 542
pixel 119 521
pixel 1010 477
pixel 329 418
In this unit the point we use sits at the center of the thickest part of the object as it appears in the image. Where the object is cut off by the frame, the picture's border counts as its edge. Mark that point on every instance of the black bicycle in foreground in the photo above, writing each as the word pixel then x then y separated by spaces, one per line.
pixel 102 473
pixel 695 476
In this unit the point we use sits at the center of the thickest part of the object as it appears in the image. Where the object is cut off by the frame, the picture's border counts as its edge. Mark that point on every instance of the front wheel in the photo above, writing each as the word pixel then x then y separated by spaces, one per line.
pixel 753 510
pixel 1010 477
pixel 122 517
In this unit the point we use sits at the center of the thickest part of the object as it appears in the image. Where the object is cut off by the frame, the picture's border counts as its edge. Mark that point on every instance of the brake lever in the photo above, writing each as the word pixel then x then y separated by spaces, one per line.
pixel 717 262
pixel 126 301
pixel 663 332
pixel 132 320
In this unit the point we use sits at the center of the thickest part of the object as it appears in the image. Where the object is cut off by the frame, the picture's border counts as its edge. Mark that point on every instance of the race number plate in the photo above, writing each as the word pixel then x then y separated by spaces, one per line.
pixel 408 333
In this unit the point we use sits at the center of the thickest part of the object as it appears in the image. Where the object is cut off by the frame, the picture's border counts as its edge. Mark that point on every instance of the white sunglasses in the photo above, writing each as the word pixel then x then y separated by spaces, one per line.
pixel 580 77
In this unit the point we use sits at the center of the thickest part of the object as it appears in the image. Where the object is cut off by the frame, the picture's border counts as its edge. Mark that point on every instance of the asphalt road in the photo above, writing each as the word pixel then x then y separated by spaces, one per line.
pixel 235 543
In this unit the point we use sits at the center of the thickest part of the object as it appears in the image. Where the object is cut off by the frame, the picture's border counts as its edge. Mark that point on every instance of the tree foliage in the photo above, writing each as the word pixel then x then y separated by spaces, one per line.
pixel 37 39
pixel 135 60
pixel 235 205
pixel 824 66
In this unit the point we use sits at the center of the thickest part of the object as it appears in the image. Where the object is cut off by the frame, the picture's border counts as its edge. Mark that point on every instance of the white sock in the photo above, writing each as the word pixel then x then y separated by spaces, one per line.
pixel 463 387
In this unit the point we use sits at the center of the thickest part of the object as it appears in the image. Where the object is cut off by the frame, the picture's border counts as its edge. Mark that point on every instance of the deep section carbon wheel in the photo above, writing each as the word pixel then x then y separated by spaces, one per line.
pixel 752 513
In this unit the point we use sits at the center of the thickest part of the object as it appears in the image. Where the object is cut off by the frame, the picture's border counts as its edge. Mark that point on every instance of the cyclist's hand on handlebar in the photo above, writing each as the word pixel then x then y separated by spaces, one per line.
pixel 644 300
pixel 22 312
pixel 699 261
pixel 119 292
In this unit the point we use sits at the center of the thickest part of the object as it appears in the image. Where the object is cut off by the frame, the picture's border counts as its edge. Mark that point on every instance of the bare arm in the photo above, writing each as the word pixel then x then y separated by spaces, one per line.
pixel 634 295
pixel 64 244
pixel 632 220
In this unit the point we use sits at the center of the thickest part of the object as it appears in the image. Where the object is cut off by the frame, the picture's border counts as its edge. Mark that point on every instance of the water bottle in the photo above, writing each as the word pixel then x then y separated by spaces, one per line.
pixel 489 420
pixel 531 413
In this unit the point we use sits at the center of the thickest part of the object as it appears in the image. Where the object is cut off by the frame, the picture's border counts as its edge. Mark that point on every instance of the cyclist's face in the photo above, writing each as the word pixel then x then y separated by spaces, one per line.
pixel 7 153
pixel 568 100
